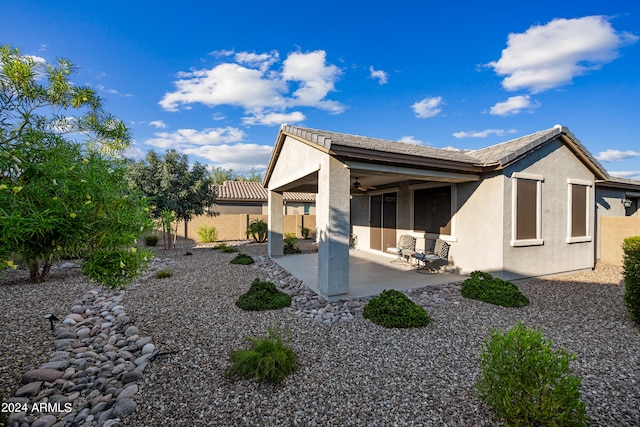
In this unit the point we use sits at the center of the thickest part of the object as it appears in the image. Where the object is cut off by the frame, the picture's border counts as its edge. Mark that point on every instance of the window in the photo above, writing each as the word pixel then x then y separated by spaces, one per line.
pixel 527 210
pixel 432 210
pixel 307 208
pixel 578 211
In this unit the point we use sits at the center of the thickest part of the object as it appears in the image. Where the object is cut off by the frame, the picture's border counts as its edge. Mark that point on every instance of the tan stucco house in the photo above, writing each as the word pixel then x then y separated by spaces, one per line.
pixel 523 208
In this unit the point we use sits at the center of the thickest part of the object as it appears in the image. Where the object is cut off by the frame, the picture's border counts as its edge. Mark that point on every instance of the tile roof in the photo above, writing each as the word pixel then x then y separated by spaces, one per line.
pixel 328 139
pixel 254 191
pixel 498 155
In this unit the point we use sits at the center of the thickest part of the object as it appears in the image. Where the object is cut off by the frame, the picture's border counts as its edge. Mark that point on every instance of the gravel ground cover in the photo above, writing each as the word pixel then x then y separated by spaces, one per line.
pixel 351 373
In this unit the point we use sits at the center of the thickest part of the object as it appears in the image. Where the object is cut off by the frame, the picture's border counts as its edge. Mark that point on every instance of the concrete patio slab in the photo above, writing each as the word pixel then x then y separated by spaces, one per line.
pixel 370 273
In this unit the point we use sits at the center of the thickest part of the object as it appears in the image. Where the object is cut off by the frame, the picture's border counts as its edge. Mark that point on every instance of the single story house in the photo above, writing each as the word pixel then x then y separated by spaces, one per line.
pixel 243 197
pixel 522 208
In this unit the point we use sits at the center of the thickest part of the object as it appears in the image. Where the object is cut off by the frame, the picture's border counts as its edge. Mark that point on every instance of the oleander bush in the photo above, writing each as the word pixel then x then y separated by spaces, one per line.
pixel 207 233
pixel 484 287
pixel 263 295
pixel 242 259
pixel 527 382
pixel 163 274
pixel 269 359
pixel 393 309
pixel 631 248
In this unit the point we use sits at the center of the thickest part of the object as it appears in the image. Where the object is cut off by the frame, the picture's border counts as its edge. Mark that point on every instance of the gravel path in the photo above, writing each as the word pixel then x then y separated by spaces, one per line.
pixel 351 373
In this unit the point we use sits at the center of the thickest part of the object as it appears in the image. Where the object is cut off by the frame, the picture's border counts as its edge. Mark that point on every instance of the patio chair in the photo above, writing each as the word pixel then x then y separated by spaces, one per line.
pixel 433 260
pixel 405 248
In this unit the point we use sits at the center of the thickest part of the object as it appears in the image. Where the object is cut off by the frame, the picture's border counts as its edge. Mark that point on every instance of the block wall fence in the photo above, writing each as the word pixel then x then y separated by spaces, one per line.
pixel 613 231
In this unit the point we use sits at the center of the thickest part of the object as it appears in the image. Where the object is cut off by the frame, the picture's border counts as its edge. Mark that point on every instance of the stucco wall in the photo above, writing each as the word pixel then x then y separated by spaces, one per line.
pixel 556 164
pixel 296 160
pixel 478 240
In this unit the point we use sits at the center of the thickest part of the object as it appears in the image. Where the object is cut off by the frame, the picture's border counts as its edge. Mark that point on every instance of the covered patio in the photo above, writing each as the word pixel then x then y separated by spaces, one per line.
pixel 369 274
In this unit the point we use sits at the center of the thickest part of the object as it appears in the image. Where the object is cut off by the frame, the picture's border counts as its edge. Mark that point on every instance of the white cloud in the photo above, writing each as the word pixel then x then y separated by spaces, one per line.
pixel 239 157
pixel 184 139
pixel 513 105
pixel 158 123
pixel 113 91
pixel 379 75
pixel 428 107
pixel 483 133
pixel 551 55
pixel 626 174
pixel 253 83
pixel 614 155
pixel 272 119
pixel 410 140
pixel 134 152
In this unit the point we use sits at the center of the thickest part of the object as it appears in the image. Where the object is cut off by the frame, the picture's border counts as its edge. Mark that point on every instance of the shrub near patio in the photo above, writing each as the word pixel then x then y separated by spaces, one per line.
pixel 393 309
pixel 242 259
pixel 263 295
pixel 527 382
pixel 484 287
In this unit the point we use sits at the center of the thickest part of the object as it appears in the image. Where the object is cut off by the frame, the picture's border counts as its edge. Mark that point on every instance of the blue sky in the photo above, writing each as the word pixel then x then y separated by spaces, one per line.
pixel 216 79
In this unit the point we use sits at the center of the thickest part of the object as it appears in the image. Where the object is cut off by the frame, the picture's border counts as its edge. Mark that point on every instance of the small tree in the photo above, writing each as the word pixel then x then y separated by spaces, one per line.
pixel 631 248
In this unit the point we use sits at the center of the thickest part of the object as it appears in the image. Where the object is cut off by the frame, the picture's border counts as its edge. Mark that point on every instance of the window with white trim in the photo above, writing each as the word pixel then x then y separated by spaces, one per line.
pixel 578 226
pixel 526 210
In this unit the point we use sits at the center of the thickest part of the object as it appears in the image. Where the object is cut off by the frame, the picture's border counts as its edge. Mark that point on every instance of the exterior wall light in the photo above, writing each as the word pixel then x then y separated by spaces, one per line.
pixel 626 203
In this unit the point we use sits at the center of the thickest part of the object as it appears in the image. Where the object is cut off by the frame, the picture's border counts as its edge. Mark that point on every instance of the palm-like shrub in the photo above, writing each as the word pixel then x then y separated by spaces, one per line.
pixel 268 359
pixel 393 309
pixel 527 382
pixel 484 287
pixel 263 295
pixel 258 229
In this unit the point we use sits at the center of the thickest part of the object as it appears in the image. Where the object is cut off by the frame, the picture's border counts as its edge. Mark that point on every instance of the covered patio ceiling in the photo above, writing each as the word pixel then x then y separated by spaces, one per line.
pixel 376 175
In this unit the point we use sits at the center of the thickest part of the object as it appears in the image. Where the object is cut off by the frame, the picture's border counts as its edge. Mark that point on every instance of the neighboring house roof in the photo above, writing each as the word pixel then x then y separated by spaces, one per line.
pixel 620 183
pixel 236 191
pixel 380 150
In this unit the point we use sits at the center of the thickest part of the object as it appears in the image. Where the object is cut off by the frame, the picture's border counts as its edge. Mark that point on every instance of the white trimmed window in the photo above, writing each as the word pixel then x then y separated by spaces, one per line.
pixel 578 197
pixel 526 209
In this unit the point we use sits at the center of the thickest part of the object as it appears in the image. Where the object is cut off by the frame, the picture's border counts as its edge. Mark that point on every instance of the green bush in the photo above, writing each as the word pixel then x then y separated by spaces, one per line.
pixel 259 230
pixel 151 239
pixel 242 259
pixel 631 248
pixel 163 274
pixel 393 309
pixel 268 359
pixel 263 296
pixel 222 247
pixel 207 233
pixel 290 241
pixel 527 382
pixel 484 287
pixel 116 268
pixel 305 232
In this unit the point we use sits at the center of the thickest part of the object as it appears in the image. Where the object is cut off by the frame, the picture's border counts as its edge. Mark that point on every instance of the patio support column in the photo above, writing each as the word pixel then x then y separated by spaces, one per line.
pixel 275 242
pixel 332 221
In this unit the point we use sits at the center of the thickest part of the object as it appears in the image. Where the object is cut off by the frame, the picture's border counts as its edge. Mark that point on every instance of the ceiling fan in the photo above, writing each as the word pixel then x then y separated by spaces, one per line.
pixel 361 187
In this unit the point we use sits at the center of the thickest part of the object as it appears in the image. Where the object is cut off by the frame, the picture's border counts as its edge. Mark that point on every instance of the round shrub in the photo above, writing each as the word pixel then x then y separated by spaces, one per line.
pixel 527 382
pixel 263 296
pixel 242 259
pixel 393 309
pixel 484 287
pixel 151 239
